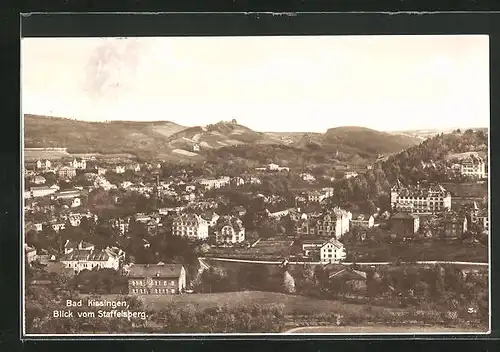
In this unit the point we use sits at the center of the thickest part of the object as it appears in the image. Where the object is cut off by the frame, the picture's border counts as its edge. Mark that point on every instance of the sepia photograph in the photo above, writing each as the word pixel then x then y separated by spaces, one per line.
pixel 255 185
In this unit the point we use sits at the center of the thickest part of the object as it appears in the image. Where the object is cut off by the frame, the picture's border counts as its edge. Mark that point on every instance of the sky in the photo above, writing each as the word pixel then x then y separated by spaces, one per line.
pixel 283 84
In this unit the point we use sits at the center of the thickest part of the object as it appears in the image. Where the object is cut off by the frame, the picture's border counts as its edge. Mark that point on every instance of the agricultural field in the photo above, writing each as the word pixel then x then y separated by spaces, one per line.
pixel 34 155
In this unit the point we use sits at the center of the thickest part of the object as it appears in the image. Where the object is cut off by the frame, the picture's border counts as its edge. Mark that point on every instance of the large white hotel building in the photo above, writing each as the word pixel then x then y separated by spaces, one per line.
pixel 417 199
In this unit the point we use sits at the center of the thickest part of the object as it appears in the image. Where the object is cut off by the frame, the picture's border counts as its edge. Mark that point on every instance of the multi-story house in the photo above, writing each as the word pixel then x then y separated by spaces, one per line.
pixel 57 226
pixel 307 177
pixel 454 226
pixel 159 279
pixel 350 174
pixel 211 217
pixel 39 180
pixel 43 165
pixel 66 172
pixel 135 167
pixel 418 199
pixel 229 230
pixel 42 191
pixel 331 223
pixel 473 166
pixel 479 216
pixel 215 183
pixel 101 171
pixel 191 226
pixel 279 214
pixel 80 164
pixel 68 194
pixel 237 181
pixel 121 225
pixel 315 197
pixel 327 251
pixel 119 169
pixel 86 257
pixel 30 253
pixel 363 222
pixel 404 223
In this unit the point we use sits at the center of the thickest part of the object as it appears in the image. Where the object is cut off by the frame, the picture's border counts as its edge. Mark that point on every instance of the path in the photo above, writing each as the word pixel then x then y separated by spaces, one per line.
pixel 383 330
pixel 343 263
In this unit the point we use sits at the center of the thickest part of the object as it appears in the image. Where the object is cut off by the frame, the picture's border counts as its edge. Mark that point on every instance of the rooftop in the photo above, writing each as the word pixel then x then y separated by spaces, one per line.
pixel 155 270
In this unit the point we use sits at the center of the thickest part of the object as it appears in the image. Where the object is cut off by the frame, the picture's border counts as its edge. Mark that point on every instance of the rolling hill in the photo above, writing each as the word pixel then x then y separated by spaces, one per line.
pixel 147 138
pixel 220 141
pixel 368 140
pixel 221 134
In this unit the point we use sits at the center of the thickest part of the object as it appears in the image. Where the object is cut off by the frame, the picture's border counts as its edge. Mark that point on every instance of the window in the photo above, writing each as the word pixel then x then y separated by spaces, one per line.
pixel 172 291
pixel 165 283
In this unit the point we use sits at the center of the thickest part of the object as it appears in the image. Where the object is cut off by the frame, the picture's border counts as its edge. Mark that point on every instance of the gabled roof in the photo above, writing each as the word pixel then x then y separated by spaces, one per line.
pixel 335 243
pixel 155 270
pixel 348 274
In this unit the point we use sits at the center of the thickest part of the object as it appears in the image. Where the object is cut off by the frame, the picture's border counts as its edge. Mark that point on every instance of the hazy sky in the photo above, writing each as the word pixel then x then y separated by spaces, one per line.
pixel 266 83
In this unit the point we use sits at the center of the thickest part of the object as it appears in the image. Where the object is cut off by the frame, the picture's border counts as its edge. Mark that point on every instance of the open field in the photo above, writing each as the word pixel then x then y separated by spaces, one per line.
pixel 293 304
pixel 414 251
pixel 382 329
pixel 313 315
pixel 34 155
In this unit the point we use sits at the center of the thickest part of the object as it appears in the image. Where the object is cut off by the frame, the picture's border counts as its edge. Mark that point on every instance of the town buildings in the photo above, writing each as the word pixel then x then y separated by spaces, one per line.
pixel 66 172
pixel 191 226
pixel 42 191
pixel 215 183
pixel 405 224
pixel 80 164
pixel 473 166
pixel 121 225
pixel 119 169
pixel 350 174
pixel 81 256
pixel 363 222
pixel 39 180
pixel 419 199
pixel 229 230
pixel 43 164
pixel 454 226
pixel 30 253
pixel 159 279
pixel 331 223
pixel 327 251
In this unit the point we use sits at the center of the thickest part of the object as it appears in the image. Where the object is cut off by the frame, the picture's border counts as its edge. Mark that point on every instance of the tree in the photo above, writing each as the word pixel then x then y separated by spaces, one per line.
pixel 288 283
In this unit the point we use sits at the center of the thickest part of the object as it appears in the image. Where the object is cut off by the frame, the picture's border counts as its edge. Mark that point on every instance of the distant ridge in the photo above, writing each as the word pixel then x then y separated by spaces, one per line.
pixel 169 140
